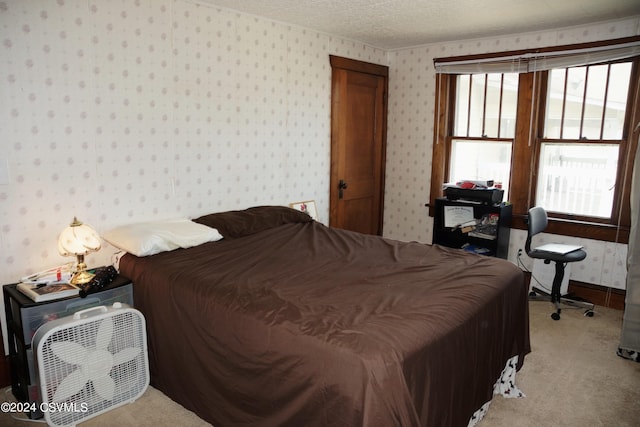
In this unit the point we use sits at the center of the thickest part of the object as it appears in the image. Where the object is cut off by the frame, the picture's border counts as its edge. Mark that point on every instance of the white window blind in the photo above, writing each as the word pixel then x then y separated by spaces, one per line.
pixel 531 61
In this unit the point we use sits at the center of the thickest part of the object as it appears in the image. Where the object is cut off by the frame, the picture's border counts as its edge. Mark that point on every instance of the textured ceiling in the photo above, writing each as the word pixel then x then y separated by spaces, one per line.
pixel 391 24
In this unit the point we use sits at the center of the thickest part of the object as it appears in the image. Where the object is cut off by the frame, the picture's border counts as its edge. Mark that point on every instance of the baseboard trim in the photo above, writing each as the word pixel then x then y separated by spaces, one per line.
pixel 596 294
pixel 599 295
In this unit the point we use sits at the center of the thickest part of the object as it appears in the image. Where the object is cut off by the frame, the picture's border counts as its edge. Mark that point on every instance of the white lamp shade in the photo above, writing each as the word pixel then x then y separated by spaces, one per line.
pixel 78 239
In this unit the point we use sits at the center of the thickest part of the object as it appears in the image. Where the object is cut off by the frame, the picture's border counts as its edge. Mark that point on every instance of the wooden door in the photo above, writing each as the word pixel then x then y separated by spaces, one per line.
pixel 358 144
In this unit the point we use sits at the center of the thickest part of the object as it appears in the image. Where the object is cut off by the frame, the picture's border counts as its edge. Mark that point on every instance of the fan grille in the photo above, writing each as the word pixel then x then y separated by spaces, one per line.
pixel 104 365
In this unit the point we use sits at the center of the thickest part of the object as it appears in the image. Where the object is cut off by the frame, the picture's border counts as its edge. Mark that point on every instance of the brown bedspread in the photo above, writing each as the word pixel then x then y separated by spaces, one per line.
pixel 303 325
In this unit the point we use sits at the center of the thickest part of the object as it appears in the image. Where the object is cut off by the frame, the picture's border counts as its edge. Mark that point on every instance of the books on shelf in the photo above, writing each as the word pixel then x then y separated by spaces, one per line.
pixel 483 235
pixel 486 227
pixel 476 249
pixel 40 292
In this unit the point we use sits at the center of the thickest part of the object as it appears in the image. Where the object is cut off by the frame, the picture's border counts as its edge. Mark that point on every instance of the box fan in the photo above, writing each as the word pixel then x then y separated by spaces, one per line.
pixel 91 362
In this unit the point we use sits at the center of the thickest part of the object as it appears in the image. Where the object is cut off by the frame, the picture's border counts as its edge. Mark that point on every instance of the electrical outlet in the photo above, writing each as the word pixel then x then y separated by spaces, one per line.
pixel 520 252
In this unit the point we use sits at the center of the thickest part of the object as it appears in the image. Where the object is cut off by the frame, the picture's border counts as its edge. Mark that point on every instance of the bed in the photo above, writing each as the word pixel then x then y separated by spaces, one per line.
pixel 287 322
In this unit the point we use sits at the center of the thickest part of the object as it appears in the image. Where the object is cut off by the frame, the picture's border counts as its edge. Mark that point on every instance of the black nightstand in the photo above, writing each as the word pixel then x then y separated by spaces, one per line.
pixel 24 317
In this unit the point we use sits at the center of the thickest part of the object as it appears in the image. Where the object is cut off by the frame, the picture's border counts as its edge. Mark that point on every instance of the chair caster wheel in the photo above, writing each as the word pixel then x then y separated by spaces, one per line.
pixel 555 316
pixel 589 313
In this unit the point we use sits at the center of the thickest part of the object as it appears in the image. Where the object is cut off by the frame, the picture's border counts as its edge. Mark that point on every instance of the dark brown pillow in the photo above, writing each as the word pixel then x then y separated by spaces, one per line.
pixel 234 224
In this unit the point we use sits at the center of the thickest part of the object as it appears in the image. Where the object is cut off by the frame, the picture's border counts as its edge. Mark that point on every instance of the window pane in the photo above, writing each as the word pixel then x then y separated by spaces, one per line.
pixel 509 105
pixel 592 93
pixel 573 103
pixel 555 102
pixel 477 105
pixel 492 119
pixel 617 100
pixel 594 102
pixel 577 178
pixel 481 160
pixel 462 105
pixel 496 114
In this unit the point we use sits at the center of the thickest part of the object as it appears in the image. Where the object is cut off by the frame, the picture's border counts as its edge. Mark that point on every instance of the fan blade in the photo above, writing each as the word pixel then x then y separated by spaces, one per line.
pixel 71 385
pixel 105 332
pixel 105 387
pixel 125 355
pixel 69 352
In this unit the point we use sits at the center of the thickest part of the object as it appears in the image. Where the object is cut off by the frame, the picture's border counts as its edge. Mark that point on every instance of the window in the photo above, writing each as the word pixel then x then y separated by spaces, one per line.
pixel 577 178
pixel 556 131
pixel 583 130
pixel 484 127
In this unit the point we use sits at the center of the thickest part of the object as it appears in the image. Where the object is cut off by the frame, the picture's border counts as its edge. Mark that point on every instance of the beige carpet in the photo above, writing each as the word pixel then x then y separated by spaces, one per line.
pixel 571 378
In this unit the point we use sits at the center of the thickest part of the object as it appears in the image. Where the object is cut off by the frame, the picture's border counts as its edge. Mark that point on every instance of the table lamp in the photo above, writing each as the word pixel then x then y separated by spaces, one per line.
pixel 79 239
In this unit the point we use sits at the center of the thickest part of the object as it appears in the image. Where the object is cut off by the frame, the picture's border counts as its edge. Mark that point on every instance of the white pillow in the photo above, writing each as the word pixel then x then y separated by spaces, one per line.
pixel 149 238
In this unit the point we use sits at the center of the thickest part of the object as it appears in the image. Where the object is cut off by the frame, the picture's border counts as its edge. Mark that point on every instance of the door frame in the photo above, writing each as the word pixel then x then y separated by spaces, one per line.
pixel 367 68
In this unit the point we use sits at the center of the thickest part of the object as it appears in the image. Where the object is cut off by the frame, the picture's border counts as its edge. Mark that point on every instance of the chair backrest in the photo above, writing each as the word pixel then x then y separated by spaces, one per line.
pixel 537 222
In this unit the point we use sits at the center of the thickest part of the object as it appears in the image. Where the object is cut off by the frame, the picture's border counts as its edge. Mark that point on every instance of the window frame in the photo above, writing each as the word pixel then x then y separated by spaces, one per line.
pixel 526 151
pixel 466 136
pixel 622 148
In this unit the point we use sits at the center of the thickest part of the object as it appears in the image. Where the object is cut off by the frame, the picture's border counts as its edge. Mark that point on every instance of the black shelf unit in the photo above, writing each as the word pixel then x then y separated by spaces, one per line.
pixel 453 237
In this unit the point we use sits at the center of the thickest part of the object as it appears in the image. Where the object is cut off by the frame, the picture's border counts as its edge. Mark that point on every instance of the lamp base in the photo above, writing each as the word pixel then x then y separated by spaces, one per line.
pixel 81 277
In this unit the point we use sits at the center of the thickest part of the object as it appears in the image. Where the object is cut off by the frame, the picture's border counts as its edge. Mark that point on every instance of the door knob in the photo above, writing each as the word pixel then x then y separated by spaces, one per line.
pixel 341 186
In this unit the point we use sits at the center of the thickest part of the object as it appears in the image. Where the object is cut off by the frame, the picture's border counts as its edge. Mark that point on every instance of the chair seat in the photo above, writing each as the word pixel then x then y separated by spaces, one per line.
pixel 573 256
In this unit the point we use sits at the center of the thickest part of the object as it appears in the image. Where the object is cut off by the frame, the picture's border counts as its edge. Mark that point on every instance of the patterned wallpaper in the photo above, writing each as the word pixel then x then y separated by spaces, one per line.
pixel 410 137
pixel 124 110
pixel 118 111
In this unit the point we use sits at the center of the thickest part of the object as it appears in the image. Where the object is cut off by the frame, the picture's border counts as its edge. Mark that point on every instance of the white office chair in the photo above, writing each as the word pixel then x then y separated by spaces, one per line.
pixel 537 222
